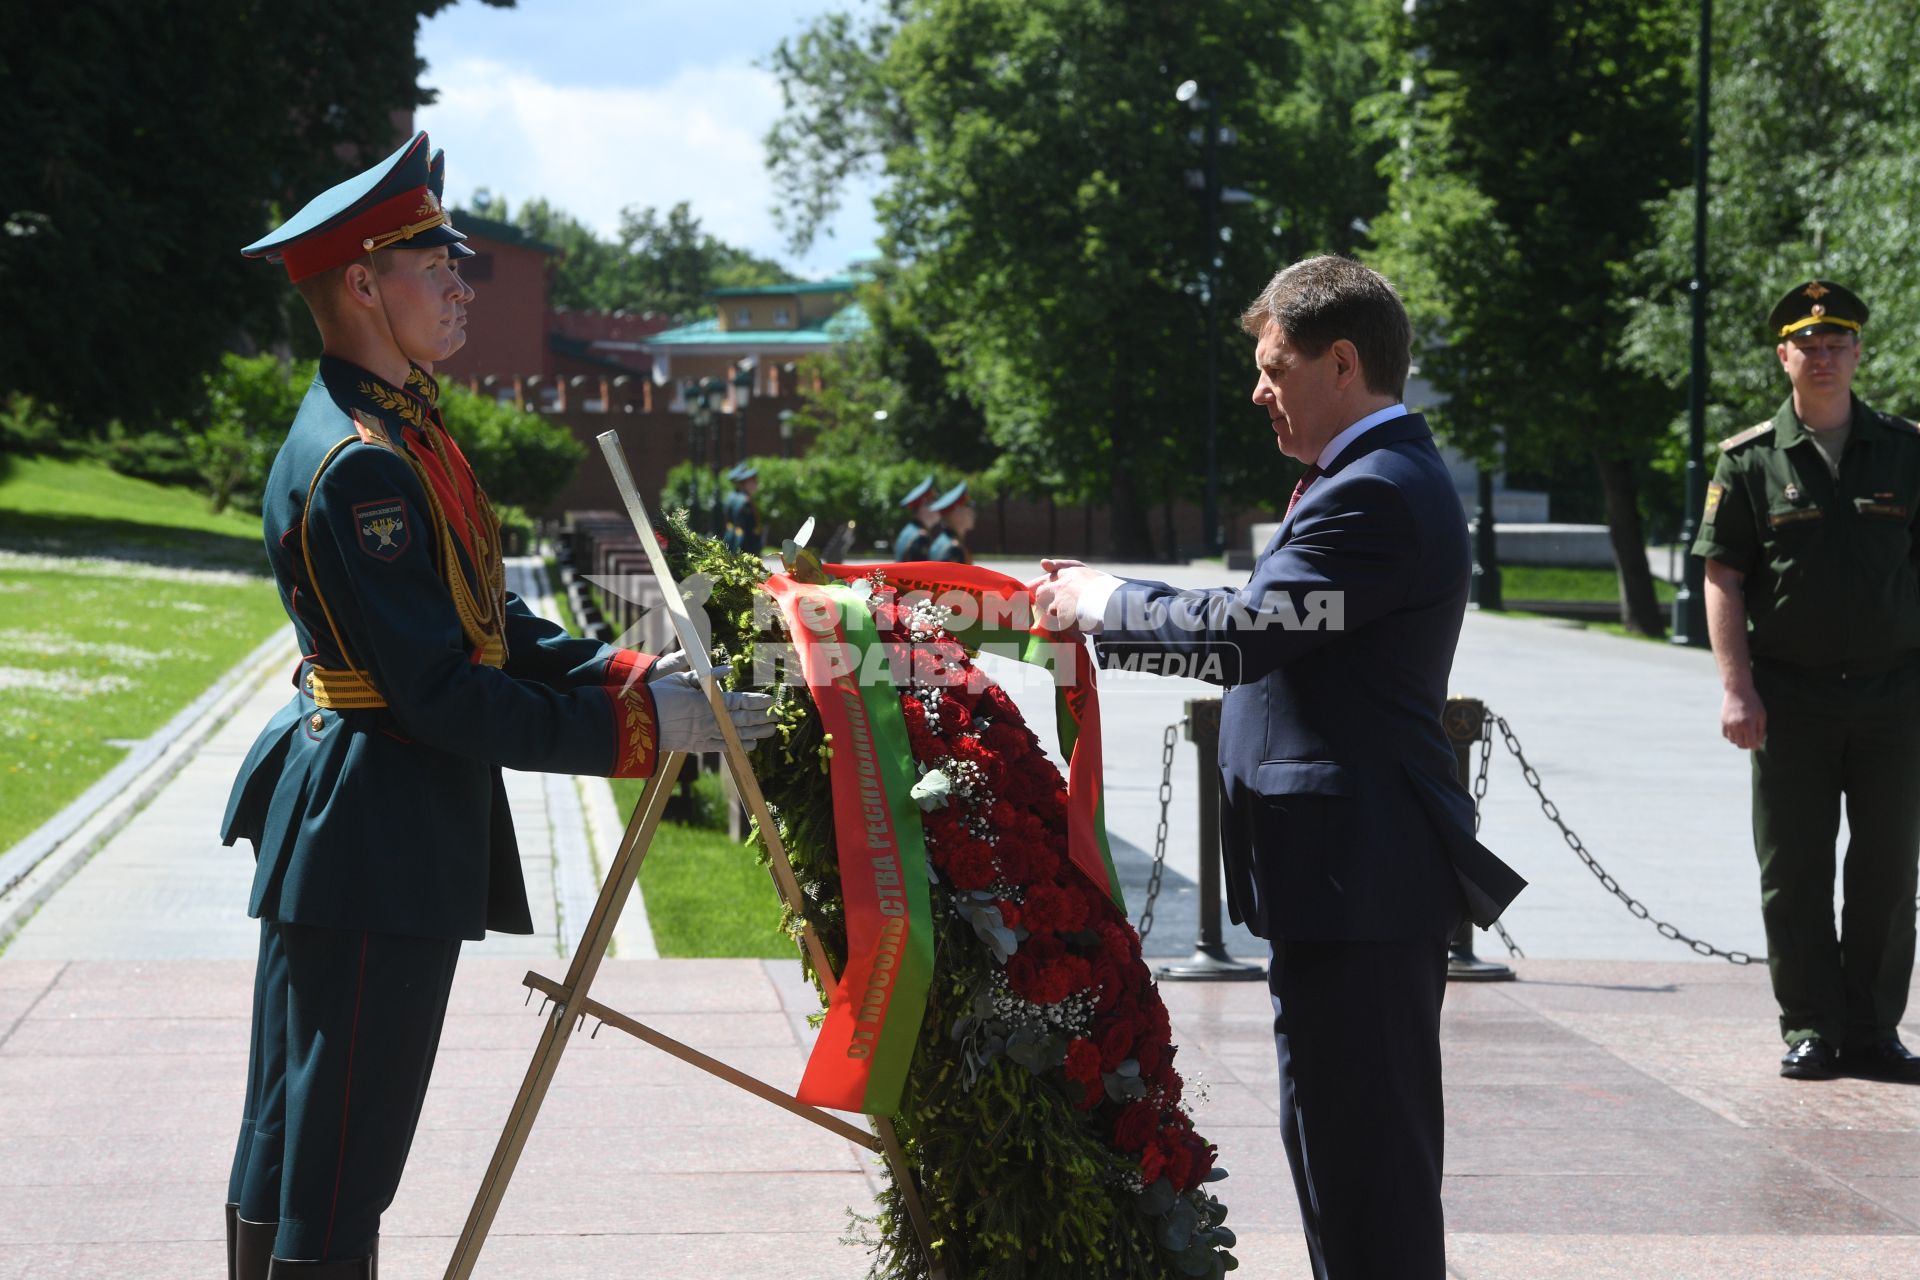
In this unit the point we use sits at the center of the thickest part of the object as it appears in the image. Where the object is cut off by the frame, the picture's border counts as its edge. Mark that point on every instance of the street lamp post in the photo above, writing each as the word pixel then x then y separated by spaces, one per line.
pixel 1689 603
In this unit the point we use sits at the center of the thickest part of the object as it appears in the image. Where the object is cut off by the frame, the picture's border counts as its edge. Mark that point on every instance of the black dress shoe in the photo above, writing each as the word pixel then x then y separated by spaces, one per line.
pixel 1811 1059
pixel 1882 1060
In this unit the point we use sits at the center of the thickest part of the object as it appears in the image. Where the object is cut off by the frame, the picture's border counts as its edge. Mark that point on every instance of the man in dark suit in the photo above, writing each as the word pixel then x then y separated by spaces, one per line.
pixel 1349 839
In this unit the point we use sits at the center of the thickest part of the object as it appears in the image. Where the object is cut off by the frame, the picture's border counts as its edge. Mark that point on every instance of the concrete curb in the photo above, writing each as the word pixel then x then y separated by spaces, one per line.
pixel 31 870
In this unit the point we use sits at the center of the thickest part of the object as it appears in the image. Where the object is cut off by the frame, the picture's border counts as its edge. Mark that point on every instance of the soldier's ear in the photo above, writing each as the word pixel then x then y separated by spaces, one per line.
pixel 357 283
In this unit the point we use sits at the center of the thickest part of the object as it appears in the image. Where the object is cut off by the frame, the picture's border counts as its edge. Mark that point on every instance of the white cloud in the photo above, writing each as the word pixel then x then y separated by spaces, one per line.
pixel 594 150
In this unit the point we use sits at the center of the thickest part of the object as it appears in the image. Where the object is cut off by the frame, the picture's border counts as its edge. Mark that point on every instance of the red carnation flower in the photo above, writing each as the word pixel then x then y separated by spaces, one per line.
pixel 1152 1055
pixel 1009 912
pixel 1180 1168
pixel 1036 981
pixel 1152 1162
pixel 1136 1125
pixel 1002 706
pixel 1116 1042
pixel 954 718
pixel 1010 741
pixel 1204 1154
pixel 971 866
pixel 1083 1062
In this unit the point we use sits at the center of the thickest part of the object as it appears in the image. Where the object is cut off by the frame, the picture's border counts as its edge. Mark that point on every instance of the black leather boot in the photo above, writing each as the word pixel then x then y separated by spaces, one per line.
pixel 342 1269
pixel 233 1242
pixel 253 1248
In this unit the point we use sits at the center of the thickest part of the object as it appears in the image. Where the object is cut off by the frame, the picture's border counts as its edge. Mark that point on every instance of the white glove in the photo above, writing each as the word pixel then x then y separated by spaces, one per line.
pixel 686 717
pixel 669 664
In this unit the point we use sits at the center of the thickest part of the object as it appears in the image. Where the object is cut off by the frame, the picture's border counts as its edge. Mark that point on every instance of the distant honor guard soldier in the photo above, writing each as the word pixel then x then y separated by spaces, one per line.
pixel 743 518
pixel 915 539
pixel 373 799
pixel 1811 544
pixel 955 514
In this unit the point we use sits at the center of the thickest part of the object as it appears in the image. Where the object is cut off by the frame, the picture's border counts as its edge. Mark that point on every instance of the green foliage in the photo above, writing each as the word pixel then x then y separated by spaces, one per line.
pixel 663 265
pixel 1533 139
pixel 1055 256
pixel 521 458
pixel 144 144
pixel 251 401
pixel 1814 157
pixel 831 489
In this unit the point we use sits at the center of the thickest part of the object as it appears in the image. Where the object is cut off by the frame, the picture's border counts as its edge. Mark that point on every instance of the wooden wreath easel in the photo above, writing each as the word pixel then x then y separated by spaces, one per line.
pixel 567 1002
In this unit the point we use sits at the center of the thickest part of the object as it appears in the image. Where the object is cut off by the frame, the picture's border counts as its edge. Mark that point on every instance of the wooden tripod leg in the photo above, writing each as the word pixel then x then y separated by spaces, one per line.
pixel 909 1192
pixel 560 1020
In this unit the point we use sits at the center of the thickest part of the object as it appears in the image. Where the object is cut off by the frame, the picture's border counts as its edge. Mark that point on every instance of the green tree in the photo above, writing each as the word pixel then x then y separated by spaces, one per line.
pixel 1532 139
pixel 1812 160
pixel 1037 189
pixel 142 145
pixel 520 458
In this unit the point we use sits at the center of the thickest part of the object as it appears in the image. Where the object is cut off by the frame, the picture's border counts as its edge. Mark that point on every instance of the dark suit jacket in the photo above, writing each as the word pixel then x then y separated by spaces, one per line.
pixel 1344 815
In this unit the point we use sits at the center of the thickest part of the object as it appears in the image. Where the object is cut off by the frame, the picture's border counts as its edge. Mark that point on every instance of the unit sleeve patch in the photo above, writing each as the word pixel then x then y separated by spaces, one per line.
pixel 1714 493
pixel 383 528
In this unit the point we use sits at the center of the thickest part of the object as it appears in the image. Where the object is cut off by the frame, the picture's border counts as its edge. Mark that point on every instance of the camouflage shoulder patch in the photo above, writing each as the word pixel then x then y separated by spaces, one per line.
pixel 382 529
pixel 1751 433
pixel 1714 493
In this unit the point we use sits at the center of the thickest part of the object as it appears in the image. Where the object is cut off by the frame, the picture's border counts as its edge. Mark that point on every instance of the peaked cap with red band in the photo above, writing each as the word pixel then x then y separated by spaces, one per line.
pixel 391 206
pixel 437 183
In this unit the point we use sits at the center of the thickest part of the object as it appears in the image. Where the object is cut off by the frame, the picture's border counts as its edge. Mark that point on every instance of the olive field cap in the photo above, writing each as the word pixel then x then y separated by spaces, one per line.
pixel 390 206
pixel 1818 306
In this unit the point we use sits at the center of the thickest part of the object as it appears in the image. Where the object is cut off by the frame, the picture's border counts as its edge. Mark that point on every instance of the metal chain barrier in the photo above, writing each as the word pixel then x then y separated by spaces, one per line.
pixel 1479 794
pixel 1634 905
pixel 1171 736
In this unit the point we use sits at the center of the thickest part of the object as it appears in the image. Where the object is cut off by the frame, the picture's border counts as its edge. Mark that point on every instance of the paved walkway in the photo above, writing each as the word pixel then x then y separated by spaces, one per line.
pixel 1615 1113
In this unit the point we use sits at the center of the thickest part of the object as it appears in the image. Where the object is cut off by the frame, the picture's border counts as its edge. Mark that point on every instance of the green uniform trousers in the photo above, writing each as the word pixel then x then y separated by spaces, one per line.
pixel 345 1028
pixel 1834 736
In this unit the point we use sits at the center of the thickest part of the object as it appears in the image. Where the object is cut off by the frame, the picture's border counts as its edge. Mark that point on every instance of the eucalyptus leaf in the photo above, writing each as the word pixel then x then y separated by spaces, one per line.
pixel 1156 1199
pixel 1176 1226
pixel 1196 1260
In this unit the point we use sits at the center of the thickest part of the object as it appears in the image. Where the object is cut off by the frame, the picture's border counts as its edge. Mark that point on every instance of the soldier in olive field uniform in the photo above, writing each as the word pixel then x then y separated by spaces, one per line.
pixel 1811 535
pixel 373 798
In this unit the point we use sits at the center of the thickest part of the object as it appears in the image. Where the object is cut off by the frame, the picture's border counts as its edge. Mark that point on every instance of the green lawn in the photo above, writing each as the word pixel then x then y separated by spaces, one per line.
pixel 705 894
pixel 1529 582
pixel 96 654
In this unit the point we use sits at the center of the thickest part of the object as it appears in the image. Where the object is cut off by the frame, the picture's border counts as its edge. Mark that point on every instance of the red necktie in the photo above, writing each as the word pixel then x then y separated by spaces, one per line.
pixel 1307 477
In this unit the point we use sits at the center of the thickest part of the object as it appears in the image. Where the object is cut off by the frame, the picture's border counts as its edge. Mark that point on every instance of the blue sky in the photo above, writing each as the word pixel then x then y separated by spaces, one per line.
pixel 601 104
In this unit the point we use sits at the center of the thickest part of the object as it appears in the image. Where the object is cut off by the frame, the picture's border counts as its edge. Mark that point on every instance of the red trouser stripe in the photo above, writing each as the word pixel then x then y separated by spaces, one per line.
pixel 346 1100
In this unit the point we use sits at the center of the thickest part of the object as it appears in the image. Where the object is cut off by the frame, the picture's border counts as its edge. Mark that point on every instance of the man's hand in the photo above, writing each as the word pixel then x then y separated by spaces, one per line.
pixel 1743 719
pixel 1058 591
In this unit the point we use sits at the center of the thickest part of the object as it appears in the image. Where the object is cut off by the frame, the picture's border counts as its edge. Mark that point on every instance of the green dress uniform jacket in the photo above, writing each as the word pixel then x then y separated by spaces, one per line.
pixel 373 799
pixel 913 542
pixel 743 524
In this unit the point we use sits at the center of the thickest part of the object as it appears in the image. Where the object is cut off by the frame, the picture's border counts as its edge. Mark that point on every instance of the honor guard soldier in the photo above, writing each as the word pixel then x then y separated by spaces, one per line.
pixel 915 539
pixel 743 520
pixel 373 799
pixel 1813 605
pixel 955 515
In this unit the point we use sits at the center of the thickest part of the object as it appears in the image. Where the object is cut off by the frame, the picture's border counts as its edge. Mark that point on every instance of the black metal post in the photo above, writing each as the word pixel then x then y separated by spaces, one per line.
pixel 1464 721
pixel 1689 603
pixel 1210 959
pixel 1215 538
pixel 1483 592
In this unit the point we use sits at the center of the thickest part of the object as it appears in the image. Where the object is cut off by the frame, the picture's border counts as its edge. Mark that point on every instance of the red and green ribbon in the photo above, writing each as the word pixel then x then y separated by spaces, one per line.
pixel 1003 615
pixel 874 1012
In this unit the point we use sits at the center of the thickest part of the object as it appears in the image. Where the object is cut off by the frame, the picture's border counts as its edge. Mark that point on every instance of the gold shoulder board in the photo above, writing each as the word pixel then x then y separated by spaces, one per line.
pixel 1751 433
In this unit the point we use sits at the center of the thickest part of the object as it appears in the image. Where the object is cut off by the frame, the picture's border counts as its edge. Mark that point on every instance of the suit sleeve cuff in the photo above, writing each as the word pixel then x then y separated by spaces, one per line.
pixel 636 737
pixel 627 666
